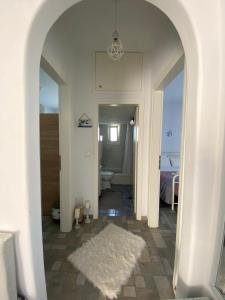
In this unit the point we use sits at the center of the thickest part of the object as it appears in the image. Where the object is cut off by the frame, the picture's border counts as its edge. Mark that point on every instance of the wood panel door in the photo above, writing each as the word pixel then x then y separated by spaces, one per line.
pixel 50 161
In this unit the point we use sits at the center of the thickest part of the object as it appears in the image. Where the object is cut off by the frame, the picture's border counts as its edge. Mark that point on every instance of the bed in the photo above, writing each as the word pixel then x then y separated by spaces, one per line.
pixel 169 179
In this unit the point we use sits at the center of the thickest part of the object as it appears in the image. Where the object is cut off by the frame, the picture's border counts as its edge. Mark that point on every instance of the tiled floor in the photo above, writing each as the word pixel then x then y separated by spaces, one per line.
pixel 151 278
pixel 117 201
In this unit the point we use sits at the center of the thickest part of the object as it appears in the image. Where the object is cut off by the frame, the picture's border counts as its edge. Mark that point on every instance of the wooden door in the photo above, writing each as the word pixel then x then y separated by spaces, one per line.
pixel 50 161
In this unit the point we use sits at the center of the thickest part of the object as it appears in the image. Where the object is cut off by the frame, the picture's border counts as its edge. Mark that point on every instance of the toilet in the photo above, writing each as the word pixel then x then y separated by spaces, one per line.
pixel 106 178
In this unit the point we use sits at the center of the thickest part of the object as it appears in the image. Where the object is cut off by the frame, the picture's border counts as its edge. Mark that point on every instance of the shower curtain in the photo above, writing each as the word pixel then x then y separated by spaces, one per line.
pixel 128 152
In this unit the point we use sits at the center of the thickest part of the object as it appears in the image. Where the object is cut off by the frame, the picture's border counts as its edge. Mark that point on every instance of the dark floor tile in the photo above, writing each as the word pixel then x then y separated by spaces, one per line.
pixel 147 294
pixel 155 265
pixel 117 202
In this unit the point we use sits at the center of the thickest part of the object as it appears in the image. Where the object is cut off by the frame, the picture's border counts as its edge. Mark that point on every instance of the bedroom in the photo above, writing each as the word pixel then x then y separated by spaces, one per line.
pixel 171 142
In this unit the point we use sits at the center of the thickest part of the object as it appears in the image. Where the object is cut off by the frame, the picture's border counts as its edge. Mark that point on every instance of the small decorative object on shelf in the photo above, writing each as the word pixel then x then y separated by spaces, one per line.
pixel 77 215
pixel 84 121
pixel 87 205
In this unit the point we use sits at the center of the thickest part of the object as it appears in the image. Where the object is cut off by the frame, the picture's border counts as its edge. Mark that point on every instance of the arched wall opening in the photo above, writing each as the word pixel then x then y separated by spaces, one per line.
pixel 44 17
pixel 83 63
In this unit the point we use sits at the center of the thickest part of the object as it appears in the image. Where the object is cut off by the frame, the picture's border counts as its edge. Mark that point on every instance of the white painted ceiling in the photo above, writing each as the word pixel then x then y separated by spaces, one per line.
pixel 89 24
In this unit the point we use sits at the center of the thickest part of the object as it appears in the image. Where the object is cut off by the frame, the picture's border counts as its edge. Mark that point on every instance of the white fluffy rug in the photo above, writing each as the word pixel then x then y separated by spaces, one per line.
pixel 107 260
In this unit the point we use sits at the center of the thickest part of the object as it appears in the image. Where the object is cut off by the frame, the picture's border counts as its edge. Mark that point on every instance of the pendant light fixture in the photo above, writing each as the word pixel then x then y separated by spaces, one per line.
pixel 115 50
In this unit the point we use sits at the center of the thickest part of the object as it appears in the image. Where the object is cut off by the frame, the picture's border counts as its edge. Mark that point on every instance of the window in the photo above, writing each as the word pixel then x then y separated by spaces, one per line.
pixel 114 134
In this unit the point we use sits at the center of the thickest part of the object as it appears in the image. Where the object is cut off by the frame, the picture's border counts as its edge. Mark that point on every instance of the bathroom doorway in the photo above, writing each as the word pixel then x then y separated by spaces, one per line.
pixel 118 148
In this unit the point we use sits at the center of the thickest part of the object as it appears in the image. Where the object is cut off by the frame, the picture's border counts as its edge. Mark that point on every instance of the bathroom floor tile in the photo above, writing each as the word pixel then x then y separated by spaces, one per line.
pixel 117 201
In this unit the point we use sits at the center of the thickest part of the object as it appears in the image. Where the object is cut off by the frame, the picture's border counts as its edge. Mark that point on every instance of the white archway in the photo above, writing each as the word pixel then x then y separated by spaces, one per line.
pixel 35 20
pixel 39 31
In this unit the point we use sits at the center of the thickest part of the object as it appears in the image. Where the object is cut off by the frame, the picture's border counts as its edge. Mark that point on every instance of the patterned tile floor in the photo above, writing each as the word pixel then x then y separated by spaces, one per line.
pixel 151 278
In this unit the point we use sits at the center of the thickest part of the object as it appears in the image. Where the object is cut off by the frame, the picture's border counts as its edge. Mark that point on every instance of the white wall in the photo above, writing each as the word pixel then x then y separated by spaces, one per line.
pixel 172 115
pixel 49 94
pixel 203 39
pixel 202 152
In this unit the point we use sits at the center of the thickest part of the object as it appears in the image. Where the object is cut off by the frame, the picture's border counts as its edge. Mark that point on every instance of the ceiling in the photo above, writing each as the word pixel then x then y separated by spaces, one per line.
pixel 89 24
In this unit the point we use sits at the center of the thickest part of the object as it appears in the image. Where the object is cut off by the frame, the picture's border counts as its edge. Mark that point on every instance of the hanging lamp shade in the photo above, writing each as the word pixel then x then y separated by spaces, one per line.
pixel 115 50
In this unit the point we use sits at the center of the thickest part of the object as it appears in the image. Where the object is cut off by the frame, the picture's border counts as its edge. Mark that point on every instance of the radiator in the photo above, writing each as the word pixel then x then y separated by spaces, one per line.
pixel 8 289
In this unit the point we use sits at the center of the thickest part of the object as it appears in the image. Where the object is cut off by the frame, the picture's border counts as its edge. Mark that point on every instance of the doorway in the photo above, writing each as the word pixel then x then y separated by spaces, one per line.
pixel 117 165
pixel 49 147
pixel 167 153
pixel 171 143
pixel 170 158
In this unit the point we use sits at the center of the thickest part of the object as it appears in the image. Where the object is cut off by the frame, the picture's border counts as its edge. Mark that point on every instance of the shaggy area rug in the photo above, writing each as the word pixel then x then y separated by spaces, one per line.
pixel 107 260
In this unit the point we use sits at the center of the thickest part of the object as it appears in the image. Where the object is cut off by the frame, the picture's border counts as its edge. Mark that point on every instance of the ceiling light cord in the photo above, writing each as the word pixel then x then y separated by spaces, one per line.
pixel 115 14
pixel 115 50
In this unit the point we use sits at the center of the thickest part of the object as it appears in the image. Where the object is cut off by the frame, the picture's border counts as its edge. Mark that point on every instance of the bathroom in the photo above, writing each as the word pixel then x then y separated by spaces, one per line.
pixel 118 128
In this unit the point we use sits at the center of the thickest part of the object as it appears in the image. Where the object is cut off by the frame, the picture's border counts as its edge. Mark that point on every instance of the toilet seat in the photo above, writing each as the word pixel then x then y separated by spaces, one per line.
pixel 106 173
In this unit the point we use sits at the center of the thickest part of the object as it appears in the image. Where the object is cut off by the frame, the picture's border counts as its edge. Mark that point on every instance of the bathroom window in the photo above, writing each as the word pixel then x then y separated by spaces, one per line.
pixel 114 134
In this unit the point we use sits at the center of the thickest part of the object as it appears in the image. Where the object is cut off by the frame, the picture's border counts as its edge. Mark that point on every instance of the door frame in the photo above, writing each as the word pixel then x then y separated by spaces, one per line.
pixel 138 156
pixel 155 148
pixel 135 157
pixel 64 145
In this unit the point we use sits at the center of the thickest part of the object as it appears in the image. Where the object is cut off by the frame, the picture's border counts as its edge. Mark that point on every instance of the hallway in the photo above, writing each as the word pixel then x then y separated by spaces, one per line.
pixel 151 279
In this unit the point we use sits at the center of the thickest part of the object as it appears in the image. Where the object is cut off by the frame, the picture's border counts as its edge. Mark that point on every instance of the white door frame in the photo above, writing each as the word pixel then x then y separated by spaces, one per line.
pixel 139 158
pixel 135 157
pixel 155 150
pixel 64 146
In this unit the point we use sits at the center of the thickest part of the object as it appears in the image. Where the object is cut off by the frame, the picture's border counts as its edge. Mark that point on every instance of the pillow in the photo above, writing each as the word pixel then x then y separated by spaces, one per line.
pixel 165 162
pixel 175 161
